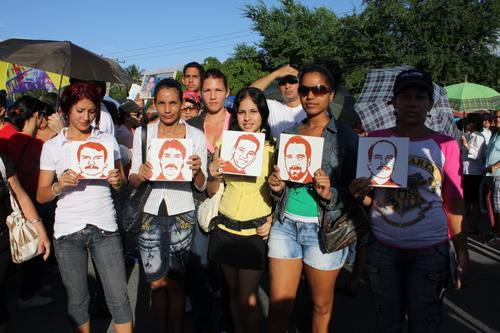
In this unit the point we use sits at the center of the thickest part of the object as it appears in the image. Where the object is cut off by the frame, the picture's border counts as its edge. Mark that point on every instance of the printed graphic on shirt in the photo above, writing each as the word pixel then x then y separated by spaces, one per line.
pixel 91 159
pixel 404 207
pixel 384 161
pixel 169 158
pixel 243 152
pixel 299 157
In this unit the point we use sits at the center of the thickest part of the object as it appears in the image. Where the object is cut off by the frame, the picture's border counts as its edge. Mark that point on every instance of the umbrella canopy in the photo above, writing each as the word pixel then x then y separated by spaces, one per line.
pixel 62 57
pixel 376 113
pixel 18 79
pixel 466 97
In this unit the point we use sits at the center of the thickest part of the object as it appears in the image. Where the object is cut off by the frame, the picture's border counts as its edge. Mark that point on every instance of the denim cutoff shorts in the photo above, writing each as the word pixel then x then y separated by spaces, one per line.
pixel 164 245
pixel 294 240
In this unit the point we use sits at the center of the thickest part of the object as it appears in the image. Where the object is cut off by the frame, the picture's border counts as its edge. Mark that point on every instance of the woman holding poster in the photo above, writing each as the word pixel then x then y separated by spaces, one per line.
pixel 85 220
pixel 293 243
pixel 237 240
pixel 408 255
pixel 169 216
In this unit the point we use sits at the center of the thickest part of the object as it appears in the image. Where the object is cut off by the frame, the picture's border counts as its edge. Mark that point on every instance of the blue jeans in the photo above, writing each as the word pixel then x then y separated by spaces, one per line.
pixel 106 250
pixel 410 282
pixel 164 245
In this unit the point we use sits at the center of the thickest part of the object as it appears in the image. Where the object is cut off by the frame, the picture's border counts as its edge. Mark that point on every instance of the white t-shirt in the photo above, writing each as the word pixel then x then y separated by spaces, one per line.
pixel 90 201
pixel 282 117
pixel 474 158
pixel 106 121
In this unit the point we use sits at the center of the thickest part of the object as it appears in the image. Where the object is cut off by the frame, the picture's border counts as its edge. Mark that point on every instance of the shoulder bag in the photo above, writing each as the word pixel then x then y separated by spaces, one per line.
pixel 134 207
pixel 209 209
pixel 23 236
pixel 354 224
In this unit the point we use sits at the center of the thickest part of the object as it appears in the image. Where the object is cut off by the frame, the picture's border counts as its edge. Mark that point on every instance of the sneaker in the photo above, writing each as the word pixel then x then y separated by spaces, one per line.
pixel 34 302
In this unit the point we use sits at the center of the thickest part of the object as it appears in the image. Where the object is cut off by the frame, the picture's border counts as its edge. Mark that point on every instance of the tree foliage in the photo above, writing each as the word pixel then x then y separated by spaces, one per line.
pixel 241 69
pixel 452 39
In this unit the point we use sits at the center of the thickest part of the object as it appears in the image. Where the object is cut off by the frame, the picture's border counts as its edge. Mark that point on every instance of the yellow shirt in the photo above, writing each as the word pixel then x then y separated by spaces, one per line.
pixel 246 198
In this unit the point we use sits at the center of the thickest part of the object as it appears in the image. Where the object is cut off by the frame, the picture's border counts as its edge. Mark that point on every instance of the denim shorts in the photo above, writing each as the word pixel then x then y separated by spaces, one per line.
pixel 293 240
pixel 164 244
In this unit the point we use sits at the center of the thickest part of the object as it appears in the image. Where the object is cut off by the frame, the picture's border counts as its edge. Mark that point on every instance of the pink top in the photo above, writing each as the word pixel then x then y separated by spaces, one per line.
pixel 414 217
pixel 211 148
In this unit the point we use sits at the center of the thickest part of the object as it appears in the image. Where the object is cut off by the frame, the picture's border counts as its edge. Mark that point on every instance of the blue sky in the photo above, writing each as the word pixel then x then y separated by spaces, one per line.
pixel 151 34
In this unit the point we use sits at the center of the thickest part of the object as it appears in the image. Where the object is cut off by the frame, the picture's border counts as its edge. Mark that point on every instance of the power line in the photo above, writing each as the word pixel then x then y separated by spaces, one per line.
pixel 183 52
pixel 184 47
pixel 179 42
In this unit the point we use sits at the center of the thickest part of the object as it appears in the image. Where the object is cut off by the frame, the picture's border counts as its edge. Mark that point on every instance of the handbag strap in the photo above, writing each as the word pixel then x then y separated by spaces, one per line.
pixel 13 201
pixel 144 140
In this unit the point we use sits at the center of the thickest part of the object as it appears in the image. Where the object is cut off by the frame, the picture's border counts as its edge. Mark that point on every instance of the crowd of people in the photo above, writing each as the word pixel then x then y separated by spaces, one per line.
pixel 264 223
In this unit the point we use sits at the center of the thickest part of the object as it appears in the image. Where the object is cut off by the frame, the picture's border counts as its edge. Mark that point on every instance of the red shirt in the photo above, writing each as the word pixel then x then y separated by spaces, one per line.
pixel 6 132
pixel 24 152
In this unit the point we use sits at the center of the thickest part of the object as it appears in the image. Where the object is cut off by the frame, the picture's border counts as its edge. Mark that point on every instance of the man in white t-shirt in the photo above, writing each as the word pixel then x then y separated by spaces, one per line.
pixel 283 115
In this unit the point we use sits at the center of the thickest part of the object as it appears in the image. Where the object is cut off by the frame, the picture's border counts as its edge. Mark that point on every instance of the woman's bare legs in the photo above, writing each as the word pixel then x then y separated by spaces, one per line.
pixel 284 275
pixel 322 285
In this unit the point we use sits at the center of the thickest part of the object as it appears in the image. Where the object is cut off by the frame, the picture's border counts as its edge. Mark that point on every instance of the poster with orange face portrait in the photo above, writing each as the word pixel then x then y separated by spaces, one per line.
pixel 243 153
pixel 299 157
pixel 169 159
pixel 91 159
pixel 384 161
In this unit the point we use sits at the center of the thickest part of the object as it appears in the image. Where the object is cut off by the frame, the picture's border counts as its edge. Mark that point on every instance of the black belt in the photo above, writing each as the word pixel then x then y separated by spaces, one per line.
pixel 236 225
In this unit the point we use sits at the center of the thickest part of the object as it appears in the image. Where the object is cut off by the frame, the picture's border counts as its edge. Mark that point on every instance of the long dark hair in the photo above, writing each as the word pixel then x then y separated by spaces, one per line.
pixel 258 97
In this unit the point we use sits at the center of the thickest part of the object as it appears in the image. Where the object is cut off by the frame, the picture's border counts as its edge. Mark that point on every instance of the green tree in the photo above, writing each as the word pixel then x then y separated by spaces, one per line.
pixel 241 69
pixel 293 34
pixel 452 39
pixel 135 73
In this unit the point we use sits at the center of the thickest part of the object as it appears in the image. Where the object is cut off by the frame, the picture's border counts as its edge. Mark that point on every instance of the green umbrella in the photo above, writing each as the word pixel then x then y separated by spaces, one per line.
pixel 467 97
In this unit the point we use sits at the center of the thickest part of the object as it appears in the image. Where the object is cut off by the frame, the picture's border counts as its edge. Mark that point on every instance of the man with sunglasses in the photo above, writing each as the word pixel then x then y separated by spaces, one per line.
pixel 288 112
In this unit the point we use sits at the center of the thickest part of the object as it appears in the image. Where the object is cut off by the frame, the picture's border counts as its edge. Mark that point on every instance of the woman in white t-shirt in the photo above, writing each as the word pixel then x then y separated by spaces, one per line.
pixel 85 220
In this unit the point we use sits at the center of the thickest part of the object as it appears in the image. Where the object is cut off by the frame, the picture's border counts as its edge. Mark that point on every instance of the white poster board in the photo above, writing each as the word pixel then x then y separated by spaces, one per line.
pixel 384 161
pixel 243 152
pixel 169 158
pixel 299 157
pixel 92 159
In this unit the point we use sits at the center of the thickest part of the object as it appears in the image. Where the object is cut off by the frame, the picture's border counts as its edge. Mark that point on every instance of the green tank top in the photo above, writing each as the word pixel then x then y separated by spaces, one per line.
pixel 301 201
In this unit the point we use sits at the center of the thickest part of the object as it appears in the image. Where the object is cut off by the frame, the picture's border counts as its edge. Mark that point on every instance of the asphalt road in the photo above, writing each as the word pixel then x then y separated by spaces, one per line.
pixel 473 309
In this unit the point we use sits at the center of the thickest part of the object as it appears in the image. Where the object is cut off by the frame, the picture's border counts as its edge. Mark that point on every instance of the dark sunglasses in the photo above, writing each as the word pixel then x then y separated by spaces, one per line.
pixel 190 108
pixel 289 80
pixel 318 90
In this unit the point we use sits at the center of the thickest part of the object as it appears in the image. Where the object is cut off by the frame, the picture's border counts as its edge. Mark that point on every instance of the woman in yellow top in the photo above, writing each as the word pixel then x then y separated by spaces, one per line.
pixel 237 240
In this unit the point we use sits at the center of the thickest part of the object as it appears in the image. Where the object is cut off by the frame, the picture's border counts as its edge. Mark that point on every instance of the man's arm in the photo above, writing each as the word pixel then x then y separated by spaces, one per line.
pixel 265 81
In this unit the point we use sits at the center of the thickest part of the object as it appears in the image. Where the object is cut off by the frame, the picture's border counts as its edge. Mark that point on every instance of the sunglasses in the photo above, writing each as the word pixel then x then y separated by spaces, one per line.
pixel 318 90
pixel 190 108
pixel 289 80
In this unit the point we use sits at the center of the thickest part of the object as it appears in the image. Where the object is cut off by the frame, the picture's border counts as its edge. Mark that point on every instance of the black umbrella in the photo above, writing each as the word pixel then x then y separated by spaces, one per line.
pixel 62 57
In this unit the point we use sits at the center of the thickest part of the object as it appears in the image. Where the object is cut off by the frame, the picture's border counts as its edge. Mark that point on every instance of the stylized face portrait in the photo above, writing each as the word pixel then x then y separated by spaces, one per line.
pixel 171 156
pixel 244 152
pixel 92 159
pixel 297 158
pixel 381 159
